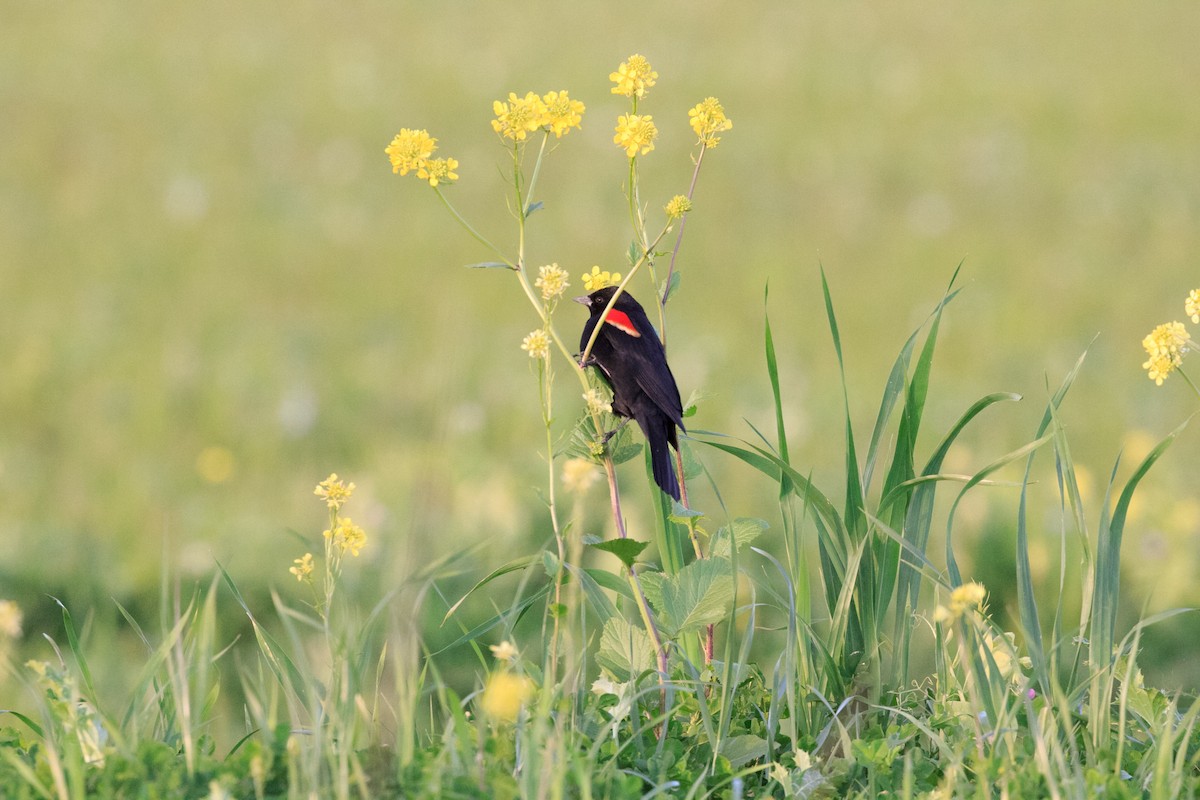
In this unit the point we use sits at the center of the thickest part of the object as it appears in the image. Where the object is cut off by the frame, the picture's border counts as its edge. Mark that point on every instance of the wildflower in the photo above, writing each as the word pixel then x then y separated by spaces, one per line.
pixel 519 116
pixel 347 536
pixel 561 113
pixel 10 619
pixel 505 651
pixel 303 568
pixel 635 133
pixel 505 695
pixel 334 491
pixel 552 280
pixel 678 206
pixel 1191 306
pixel 438 170
pixel 962 599
pixel 578 475
pixel 537 344
pixel 1165 346
pixel 633 77
pixel 708 119
pixel 597 403
pixel 598 279
pixel 409 149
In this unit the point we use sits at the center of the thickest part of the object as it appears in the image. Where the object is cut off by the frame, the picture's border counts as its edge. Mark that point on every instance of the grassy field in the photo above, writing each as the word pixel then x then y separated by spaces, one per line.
pixel 219 293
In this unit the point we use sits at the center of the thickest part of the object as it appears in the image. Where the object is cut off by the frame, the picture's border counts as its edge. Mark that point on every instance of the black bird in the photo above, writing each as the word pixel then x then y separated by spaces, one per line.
pixel 634 364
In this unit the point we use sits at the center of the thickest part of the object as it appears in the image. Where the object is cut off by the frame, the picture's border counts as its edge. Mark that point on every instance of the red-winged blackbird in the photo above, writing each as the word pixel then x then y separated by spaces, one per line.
pixel 634 364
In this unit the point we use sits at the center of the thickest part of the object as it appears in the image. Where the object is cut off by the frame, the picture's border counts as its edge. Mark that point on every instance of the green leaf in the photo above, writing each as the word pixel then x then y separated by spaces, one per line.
pixel 744 531
pixel 489 265
pixel 697 596
pixel 625 651
pixel 625 549
pixel 681 513
pixel 670 285
pixel 532 207
pixel 512 566
pixel 741 749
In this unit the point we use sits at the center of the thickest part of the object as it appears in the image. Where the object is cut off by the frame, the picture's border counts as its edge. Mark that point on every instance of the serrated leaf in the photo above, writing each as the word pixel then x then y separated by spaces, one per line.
pixel 634 254
pixel 489 265
pixel 681 513
pixel 652 587
pixel 625 549
pixel 625 651
pixel 744 531
pixel 698 595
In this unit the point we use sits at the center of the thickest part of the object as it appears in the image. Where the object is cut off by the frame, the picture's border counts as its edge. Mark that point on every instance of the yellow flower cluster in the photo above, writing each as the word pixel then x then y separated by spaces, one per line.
pixel 633 77
pixel 412 151
pixel 1165 346
pixel 345 535
pixel 504 695
pixel 596 402
pixel 678 206
pixel 552 281
pixel 303 568
pixel 635 133
pixel 598 279
pixel 537 344
pixel 505 651
pixel 708 119
pixel 556 112
pixel 962 599
pixel 1191 306
pixel 334 491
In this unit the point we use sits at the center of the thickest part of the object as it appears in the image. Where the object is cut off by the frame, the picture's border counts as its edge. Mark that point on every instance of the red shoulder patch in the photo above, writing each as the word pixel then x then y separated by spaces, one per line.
pixel 621 321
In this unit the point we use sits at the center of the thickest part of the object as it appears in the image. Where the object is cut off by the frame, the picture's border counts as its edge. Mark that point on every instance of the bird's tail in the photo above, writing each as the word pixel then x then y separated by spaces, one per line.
pixel 661 462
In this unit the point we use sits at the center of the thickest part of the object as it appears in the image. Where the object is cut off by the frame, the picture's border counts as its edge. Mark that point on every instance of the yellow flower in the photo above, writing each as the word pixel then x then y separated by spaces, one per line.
pixel 409 149
pixel 597 403
pixel 10 619
pixel 552 280
pixel 562 113
pixel 505 695
pixel 578 475
pixel 537 344
pixel 1191 306
pixel 598 279
pixel 678 206
pixel 1165 346
pixel 635 133
pixel 708 119
pixel 438 170
pixel 303 568
pixel 347 536
pixel 519 116
pixel 633 77
pixel 334 491
pixel 962 599
pixel 505 651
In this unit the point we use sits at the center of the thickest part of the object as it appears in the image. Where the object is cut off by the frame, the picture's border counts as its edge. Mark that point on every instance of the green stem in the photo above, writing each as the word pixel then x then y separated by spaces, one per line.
pixel 471 230
pixel 679 238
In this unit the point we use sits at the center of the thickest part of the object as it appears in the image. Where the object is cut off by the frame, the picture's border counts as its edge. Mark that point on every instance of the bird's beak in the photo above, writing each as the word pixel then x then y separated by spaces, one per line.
pixel 583 300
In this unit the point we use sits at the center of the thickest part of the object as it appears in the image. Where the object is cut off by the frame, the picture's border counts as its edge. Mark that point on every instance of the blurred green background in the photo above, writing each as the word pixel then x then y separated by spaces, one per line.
pixel 216 292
